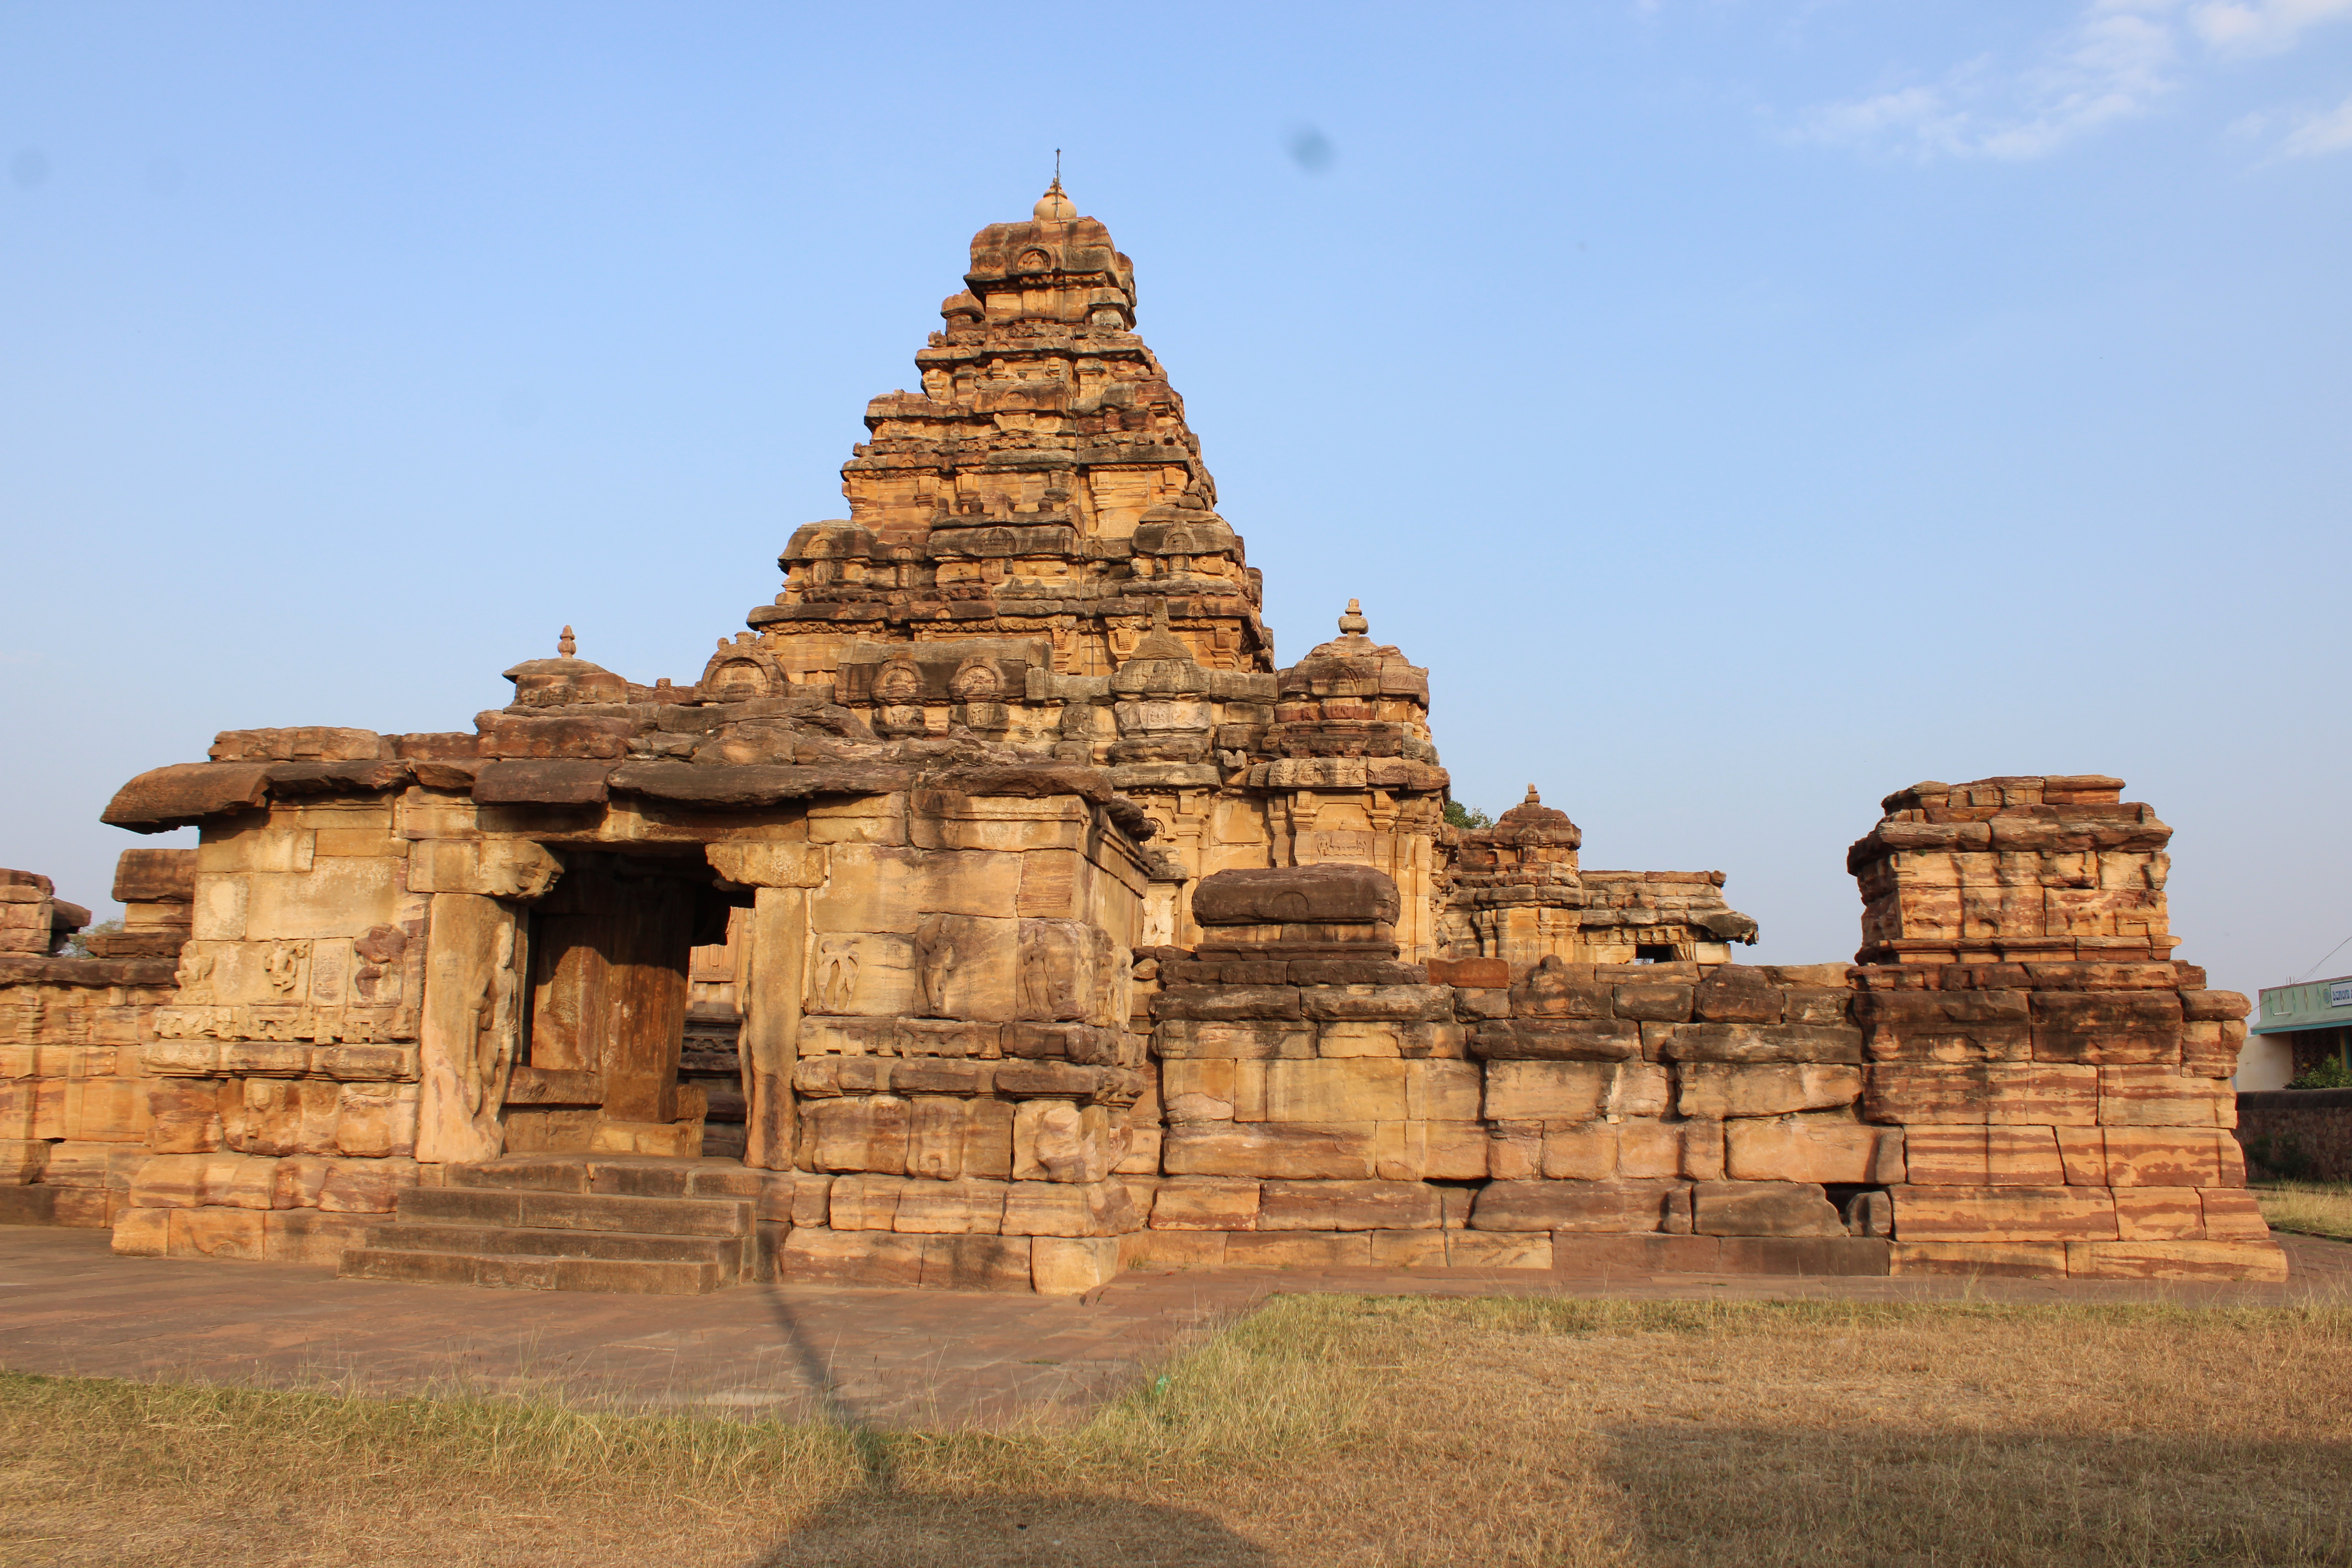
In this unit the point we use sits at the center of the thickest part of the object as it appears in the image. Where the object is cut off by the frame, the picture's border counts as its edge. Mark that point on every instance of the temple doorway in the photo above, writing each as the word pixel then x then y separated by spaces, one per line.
pixel 611 952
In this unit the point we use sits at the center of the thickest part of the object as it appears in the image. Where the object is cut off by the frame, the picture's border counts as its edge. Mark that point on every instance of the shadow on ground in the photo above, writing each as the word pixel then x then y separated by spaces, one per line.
pixel 1705 1495
pixel 887 1528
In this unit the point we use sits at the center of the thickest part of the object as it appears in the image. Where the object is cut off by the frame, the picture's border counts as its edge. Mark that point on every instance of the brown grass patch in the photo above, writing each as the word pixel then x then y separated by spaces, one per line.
pixel 1323 1429
pixel 2310 1209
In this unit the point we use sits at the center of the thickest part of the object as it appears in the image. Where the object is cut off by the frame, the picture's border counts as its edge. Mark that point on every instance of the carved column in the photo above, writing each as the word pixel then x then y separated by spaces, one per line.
pixel 466 1037
pixel 770 1000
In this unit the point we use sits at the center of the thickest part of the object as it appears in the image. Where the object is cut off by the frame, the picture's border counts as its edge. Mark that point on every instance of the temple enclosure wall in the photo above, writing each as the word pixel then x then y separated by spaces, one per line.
pixel 2303 1134
pixel 997 911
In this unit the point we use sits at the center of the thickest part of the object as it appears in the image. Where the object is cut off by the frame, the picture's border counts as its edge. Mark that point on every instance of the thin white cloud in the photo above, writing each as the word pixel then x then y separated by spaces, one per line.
pixel 2113 63
pixel 2117 59
pixel 2261 26
pixel 2330 130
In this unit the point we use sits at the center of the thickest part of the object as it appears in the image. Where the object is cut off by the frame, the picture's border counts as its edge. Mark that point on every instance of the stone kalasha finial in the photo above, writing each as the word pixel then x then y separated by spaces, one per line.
pixel 1533 798
pixel 1353 624
pixel 564 646
pixel 1054 206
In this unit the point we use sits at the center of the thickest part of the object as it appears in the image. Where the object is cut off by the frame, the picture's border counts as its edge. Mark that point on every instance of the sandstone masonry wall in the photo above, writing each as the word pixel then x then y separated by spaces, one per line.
pixel 1025 917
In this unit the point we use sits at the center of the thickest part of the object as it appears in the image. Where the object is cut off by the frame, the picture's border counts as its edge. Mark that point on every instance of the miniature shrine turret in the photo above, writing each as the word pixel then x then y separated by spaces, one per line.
pixel 1514 891
pixel 1354 777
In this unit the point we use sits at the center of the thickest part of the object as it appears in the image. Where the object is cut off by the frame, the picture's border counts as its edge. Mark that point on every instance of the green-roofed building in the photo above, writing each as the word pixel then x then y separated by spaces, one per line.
pixel 2313 1024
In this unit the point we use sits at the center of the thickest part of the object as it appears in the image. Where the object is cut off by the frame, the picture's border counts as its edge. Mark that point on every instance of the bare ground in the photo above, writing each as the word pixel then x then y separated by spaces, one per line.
pixel 1323 1429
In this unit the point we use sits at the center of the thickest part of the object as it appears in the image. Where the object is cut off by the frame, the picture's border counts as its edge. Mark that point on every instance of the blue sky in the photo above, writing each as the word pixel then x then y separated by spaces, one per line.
pixel 1744 409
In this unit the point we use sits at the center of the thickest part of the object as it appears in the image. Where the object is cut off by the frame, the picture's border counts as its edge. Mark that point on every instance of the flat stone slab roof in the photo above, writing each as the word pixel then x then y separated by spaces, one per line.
pixel 70 1307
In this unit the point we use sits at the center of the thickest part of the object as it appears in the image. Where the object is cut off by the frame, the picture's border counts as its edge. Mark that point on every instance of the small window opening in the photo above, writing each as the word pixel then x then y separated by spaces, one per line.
pixel 1654 952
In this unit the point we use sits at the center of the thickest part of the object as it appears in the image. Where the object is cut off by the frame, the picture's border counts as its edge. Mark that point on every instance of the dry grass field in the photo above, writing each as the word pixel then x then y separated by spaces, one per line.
pixel 1321 1430
pixel 2310 1209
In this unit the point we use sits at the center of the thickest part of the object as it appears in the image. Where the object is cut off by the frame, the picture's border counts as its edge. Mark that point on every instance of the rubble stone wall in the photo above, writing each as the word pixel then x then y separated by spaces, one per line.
pixel 2302 1133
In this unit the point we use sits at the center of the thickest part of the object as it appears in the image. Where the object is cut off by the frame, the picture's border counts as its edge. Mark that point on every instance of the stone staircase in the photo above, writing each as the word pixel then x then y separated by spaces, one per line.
pixel 639 1225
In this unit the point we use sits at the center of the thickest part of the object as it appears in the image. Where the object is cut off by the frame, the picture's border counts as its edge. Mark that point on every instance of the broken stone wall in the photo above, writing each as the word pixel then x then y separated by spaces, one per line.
pixel 2063 1083
pixel 77 1102
pixel 2042 1094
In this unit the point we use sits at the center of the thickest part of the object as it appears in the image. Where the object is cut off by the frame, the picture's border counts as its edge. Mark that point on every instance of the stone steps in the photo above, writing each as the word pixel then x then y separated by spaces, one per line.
pixel 568 1223
pixel 577 1211
pixel 510 1271
pixel 723 1251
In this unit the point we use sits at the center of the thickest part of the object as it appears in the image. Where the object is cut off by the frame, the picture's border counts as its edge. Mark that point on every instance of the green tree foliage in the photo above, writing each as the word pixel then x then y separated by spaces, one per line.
pixel 2332 1074
pixel 1466 816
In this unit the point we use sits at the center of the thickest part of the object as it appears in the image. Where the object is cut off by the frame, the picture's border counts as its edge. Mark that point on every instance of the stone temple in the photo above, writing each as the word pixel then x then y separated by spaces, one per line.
pixel 998 911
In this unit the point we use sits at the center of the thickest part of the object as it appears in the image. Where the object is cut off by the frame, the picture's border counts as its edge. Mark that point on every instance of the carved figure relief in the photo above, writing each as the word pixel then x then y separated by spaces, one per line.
pixel 284 966
pixel 380 951
pixel 935 959
pixel 494 1020
pixel 1036 972
pixel 1114 985
pixel 194 975
pixel 837 977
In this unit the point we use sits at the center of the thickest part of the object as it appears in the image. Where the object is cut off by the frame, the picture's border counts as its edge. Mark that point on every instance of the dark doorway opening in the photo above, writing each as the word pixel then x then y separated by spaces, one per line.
pixel 610 949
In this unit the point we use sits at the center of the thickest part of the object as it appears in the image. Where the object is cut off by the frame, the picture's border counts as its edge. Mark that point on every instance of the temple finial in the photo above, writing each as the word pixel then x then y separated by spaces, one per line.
pixel 564 646
pixel 1353 624
pixel 1054 206
pixel 1533 798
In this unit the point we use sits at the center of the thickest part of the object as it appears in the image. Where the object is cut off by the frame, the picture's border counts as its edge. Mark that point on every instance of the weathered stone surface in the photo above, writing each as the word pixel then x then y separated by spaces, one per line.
pixel 542 782
pixel 155 876
pixel 1349 1205
pixel 2007 1093
pixel 1764 1207
pixel 1341 1151
pixel 1550 1039
pixel 1946 1025
pixel 1470 973
pixel 1983 1156
pixel 1326 894
pixel 2009 1259
pixel 2106 1028
pixel 1547 1090
pixel 1614 1207
pixel 2003 1214
pixel 1206 1203
pixel 1734 995
pixel 2160 1096
pixel 1745 1043
pixel 168 797
pixel 1071 1265
pixel 2260 1262
pixel 1715 1091
pixel 1816 1148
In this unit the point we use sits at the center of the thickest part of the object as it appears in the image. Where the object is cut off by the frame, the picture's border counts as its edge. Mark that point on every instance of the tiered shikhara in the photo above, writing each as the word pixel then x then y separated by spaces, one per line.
pixel 996 911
